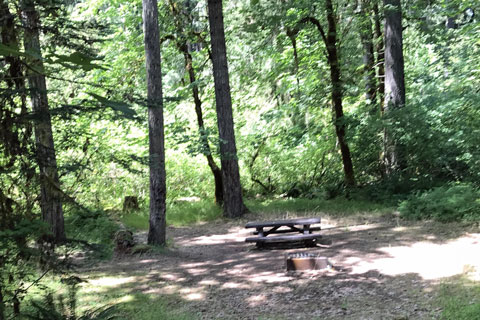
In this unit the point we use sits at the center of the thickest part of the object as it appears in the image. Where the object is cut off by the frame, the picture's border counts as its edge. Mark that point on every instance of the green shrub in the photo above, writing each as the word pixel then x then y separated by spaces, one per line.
pixel 458 202
pixel 94 227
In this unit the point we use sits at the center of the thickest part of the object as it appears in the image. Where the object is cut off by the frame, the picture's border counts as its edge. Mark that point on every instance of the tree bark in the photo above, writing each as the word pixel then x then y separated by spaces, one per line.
pixel 51 195
pixel 158 189
pixel 366 38
pixel 337 94
pixel 394 79
pixel 233 203
pixel 292 35
pixel 2 305
pixel 217 173
pixel 380 56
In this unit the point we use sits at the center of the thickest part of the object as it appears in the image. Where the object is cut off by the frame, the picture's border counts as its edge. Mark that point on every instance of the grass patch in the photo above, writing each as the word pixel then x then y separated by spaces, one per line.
pixel 460 300
pixel 188 213
pixel 178 214
pixel 137 220
pixel 148 307
pixel 335 207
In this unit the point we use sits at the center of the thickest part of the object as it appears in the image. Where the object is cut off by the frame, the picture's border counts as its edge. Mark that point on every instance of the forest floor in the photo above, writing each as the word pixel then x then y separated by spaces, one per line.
pixel 383 268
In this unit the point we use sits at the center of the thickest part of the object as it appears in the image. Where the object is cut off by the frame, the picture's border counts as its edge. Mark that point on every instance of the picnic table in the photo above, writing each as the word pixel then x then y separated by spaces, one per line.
pixel 291 230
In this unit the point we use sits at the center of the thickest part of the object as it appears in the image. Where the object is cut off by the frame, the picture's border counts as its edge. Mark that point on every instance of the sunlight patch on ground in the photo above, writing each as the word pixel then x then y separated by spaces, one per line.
pixel 111 281
pixel 127 298
pixel 170 289
pixel 172 277
pixel 146 261
pixel 235 285
pixel 429 260
pixel 269 277
pixel 256 300
pixel 193 265
pixel 197 271
pixel 209 282
pixel 280 289
pixel 213 239
pixel 192 294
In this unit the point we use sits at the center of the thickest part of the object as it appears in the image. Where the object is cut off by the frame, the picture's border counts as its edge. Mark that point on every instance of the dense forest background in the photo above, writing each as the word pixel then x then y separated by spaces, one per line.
pixel 318 114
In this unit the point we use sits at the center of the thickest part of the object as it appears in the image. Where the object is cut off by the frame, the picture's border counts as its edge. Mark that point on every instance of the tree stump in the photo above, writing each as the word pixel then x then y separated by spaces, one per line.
pixel 130 203
pixel 123 241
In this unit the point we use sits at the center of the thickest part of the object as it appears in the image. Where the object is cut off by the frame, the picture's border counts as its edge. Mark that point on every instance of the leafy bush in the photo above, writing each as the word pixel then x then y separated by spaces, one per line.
pixel 447 203
pixel 20 256
pixel 94 227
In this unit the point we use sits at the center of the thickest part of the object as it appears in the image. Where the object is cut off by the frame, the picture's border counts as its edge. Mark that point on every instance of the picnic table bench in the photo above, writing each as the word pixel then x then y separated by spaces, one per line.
pixel 291 230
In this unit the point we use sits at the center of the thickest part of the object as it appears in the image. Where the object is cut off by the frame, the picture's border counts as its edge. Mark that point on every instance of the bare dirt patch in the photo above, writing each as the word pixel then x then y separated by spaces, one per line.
pixel 384 269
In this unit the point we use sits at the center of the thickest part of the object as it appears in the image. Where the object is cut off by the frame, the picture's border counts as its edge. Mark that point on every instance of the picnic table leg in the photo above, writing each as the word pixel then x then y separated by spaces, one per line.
pixel 310 243
pixel 306 229
pixel 260 232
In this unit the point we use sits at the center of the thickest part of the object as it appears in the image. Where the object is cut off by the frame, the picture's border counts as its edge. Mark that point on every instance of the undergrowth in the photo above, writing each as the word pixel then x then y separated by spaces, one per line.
pixel 457 202
pixel 100 299
pixel 125 294
pixel 94 227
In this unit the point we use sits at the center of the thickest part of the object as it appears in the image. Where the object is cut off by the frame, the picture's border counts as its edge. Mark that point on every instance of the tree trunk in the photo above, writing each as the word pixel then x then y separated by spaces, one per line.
pixel 292 35
pixel 333 61
pixel 51 204
pixel 158 192
pixel 2 304
pixel 217 173
pixel 368 58
pixel 233 203
pixel 380 56
pixel 9 38
pixel 394 79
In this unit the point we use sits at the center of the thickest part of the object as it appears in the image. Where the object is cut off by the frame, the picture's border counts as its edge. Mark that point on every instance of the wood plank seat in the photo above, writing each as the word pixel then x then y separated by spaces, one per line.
pixel 290 230
pixel 293 237
pixel 279 223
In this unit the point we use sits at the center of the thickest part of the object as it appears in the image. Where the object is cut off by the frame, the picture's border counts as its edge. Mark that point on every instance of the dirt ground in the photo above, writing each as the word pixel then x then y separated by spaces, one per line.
pixel 383 268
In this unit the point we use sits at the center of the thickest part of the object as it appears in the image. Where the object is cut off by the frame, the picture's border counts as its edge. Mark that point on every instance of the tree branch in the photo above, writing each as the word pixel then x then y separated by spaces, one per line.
pixel 317 24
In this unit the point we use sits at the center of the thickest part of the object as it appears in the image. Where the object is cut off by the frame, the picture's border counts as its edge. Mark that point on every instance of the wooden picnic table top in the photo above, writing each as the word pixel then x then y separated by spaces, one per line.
pixel 279 223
